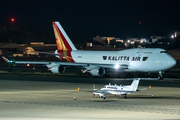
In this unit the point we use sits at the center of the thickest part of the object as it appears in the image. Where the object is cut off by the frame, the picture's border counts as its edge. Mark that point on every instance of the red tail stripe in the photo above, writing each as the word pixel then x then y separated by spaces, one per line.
pixel 70 57
pixel 67 48
pixel 63 38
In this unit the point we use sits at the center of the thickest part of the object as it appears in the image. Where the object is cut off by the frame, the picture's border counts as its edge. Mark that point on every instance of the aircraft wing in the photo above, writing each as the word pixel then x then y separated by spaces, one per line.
pixel 24 62
pixel 99 92
pixel 144 89
pixel 54 67
pixel 61 63
pixel 43 62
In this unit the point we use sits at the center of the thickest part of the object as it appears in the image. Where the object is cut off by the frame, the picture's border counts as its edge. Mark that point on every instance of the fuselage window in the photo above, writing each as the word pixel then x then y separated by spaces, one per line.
pixel 163 52
pixel 112 87
pixel 79 56
pixel 145 58
pixel 148 52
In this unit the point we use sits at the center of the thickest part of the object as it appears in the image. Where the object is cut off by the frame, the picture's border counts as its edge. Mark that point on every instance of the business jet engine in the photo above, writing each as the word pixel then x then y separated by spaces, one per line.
pixel 98 71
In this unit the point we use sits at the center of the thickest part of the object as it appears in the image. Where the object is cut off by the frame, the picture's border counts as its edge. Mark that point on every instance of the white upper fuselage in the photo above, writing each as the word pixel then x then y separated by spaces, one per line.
pixel 145 60
pixel 117 90
pixel 114 90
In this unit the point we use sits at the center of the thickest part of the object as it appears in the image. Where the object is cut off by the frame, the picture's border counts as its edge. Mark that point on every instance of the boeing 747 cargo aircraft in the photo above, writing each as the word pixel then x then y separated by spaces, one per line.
pixel 153 60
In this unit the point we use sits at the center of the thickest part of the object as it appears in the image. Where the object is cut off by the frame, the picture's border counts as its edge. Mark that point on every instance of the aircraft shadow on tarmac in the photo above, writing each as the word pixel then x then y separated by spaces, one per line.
pixel 102 100
pixel 133 97
pixel 151 97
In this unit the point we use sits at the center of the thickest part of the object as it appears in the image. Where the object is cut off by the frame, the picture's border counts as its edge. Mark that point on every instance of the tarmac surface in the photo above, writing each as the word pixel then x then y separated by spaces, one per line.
pixel 46 97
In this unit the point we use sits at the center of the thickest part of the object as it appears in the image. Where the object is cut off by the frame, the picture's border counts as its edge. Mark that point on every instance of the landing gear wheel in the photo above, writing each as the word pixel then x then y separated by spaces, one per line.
pixel 125 96
pixel 160 76
pixel 104 97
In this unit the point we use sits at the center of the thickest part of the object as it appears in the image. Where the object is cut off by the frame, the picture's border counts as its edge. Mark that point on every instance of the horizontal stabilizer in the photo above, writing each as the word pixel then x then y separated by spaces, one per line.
pixel 47 53
pixel 144 89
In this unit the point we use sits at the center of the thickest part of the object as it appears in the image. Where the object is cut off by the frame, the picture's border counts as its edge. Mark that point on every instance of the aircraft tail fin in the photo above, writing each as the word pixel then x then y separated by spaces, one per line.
pixel 62 40
pixel 64 44
pixel 135 84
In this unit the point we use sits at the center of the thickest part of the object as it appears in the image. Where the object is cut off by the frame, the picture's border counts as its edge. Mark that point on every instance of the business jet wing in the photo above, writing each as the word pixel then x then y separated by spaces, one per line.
pixel 96 91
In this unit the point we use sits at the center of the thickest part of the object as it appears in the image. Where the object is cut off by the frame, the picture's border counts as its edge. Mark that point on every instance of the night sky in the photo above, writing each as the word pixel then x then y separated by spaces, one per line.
pixel 84 19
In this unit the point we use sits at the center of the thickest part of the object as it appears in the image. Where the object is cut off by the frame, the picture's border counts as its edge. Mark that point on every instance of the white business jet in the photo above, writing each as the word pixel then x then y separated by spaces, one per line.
pixel 151 60
pixel 118 90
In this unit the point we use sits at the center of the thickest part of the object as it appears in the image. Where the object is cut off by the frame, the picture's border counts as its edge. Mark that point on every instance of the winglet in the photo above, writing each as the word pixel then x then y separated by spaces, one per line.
pixel 5 59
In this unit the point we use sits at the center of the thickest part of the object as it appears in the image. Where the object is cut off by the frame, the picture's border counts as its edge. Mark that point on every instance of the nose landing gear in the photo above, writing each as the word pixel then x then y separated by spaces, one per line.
pixel 160 76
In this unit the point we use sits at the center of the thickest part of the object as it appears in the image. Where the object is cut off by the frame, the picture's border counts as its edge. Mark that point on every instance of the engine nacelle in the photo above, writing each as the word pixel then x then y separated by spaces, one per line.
pixel 97 71
pixel 58 69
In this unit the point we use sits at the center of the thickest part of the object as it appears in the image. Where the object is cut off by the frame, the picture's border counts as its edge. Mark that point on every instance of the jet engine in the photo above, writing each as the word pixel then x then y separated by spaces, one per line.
pixel 97 71
pixel 58 69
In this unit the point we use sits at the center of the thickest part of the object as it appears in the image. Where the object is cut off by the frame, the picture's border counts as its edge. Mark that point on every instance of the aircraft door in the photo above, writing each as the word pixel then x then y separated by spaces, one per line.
pixel 140 51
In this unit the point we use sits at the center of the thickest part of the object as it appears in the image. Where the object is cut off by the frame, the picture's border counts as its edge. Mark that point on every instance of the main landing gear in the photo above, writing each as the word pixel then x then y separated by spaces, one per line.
pixel 160 76
pixel 125 96
pixel 104 97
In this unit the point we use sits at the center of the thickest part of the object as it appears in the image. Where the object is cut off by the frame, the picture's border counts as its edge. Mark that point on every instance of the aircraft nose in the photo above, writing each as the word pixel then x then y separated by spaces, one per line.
pixel 171 61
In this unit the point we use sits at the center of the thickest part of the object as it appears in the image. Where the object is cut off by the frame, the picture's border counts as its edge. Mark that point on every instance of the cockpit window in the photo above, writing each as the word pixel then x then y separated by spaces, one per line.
pixel 163 52
pixel 145 58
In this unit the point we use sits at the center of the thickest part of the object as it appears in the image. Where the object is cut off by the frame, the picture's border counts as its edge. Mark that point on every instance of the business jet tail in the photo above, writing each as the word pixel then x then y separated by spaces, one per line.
pixel 135 84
